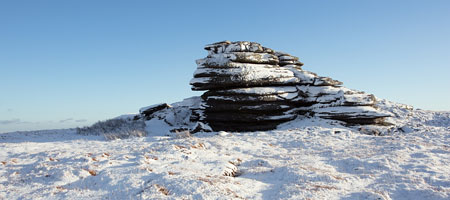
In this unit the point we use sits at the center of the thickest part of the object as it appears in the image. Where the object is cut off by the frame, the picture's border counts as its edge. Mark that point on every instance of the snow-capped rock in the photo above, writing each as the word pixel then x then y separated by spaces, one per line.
pixel 251 87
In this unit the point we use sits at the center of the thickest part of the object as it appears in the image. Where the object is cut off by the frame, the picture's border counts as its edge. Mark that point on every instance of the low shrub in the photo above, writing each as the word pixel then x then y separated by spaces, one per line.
pixel 115 129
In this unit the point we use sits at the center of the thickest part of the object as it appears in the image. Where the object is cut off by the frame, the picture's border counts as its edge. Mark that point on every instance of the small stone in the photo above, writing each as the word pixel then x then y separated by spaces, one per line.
pixel 224 133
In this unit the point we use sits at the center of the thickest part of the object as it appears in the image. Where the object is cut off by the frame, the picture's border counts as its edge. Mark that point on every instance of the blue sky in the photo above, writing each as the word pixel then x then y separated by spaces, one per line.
pixel 72 63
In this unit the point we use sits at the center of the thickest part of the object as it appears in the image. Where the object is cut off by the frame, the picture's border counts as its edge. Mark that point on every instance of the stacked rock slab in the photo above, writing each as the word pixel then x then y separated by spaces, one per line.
pixel 251 87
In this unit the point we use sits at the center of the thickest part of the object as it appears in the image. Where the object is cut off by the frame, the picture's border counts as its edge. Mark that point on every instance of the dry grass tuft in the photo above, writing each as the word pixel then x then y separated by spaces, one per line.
pixel 52 159
pixel 205 180
pixel 172 173
pixel 178 146
pixel 198 146
pixel 236 162
pixel 233 193
pixel 326 187
pixel 92 172
pixel 148 169
pixel 151 157
pixel 60 188
pixel 161 189
pixel 231 168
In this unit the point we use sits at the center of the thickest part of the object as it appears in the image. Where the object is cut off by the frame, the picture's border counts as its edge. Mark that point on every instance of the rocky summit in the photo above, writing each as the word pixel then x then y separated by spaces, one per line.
pixel 250 87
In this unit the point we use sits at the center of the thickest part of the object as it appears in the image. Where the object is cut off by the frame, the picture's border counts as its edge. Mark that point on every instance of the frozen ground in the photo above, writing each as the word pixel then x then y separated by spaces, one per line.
pixel 304 159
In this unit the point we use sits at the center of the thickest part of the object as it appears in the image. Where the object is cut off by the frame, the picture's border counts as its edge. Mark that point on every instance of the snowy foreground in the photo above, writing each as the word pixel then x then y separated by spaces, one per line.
pixel 306 158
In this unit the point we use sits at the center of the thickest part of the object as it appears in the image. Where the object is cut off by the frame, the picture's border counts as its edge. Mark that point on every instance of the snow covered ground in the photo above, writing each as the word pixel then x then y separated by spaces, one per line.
pixel 308 158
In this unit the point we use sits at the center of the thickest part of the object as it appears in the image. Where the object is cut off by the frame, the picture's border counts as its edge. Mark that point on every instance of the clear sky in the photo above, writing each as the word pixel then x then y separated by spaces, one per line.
pixel 72 63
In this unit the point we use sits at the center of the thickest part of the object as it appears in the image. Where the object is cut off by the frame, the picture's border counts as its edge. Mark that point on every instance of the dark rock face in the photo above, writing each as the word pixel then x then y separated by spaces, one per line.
pixel 251 87
pixel 149 110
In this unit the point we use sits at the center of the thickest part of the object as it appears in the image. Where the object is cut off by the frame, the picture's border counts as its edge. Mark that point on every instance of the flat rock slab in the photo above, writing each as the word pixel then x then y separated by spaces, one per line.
pixel 146 111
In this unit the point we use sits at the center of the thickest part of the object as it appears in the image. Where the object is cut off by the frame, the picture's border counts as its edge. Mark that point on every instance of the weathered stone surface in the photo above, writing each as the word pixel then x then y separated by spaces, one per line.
pixel 287 59
pixel 241 106
pixel 207 63
pixel 248 117
pixel 243 126
pixel 241 46
pixel 310 78
pixel 147 111
pixel 352 114
pixel 334 96
pixel 200 127
pixel 248 73
pixel 251 87
pixel 241 57
pixel 243 98
pixel 290 62
pixel 220 82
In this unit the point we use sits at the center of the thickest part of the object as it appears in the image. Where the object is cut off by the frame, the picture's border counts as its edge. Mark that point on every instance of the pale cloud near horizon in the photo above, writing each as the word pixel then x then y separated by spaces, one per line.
pixel 72 120
pixel 13 121
pixel 65 120
pixel 19 121
pixel 17 124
